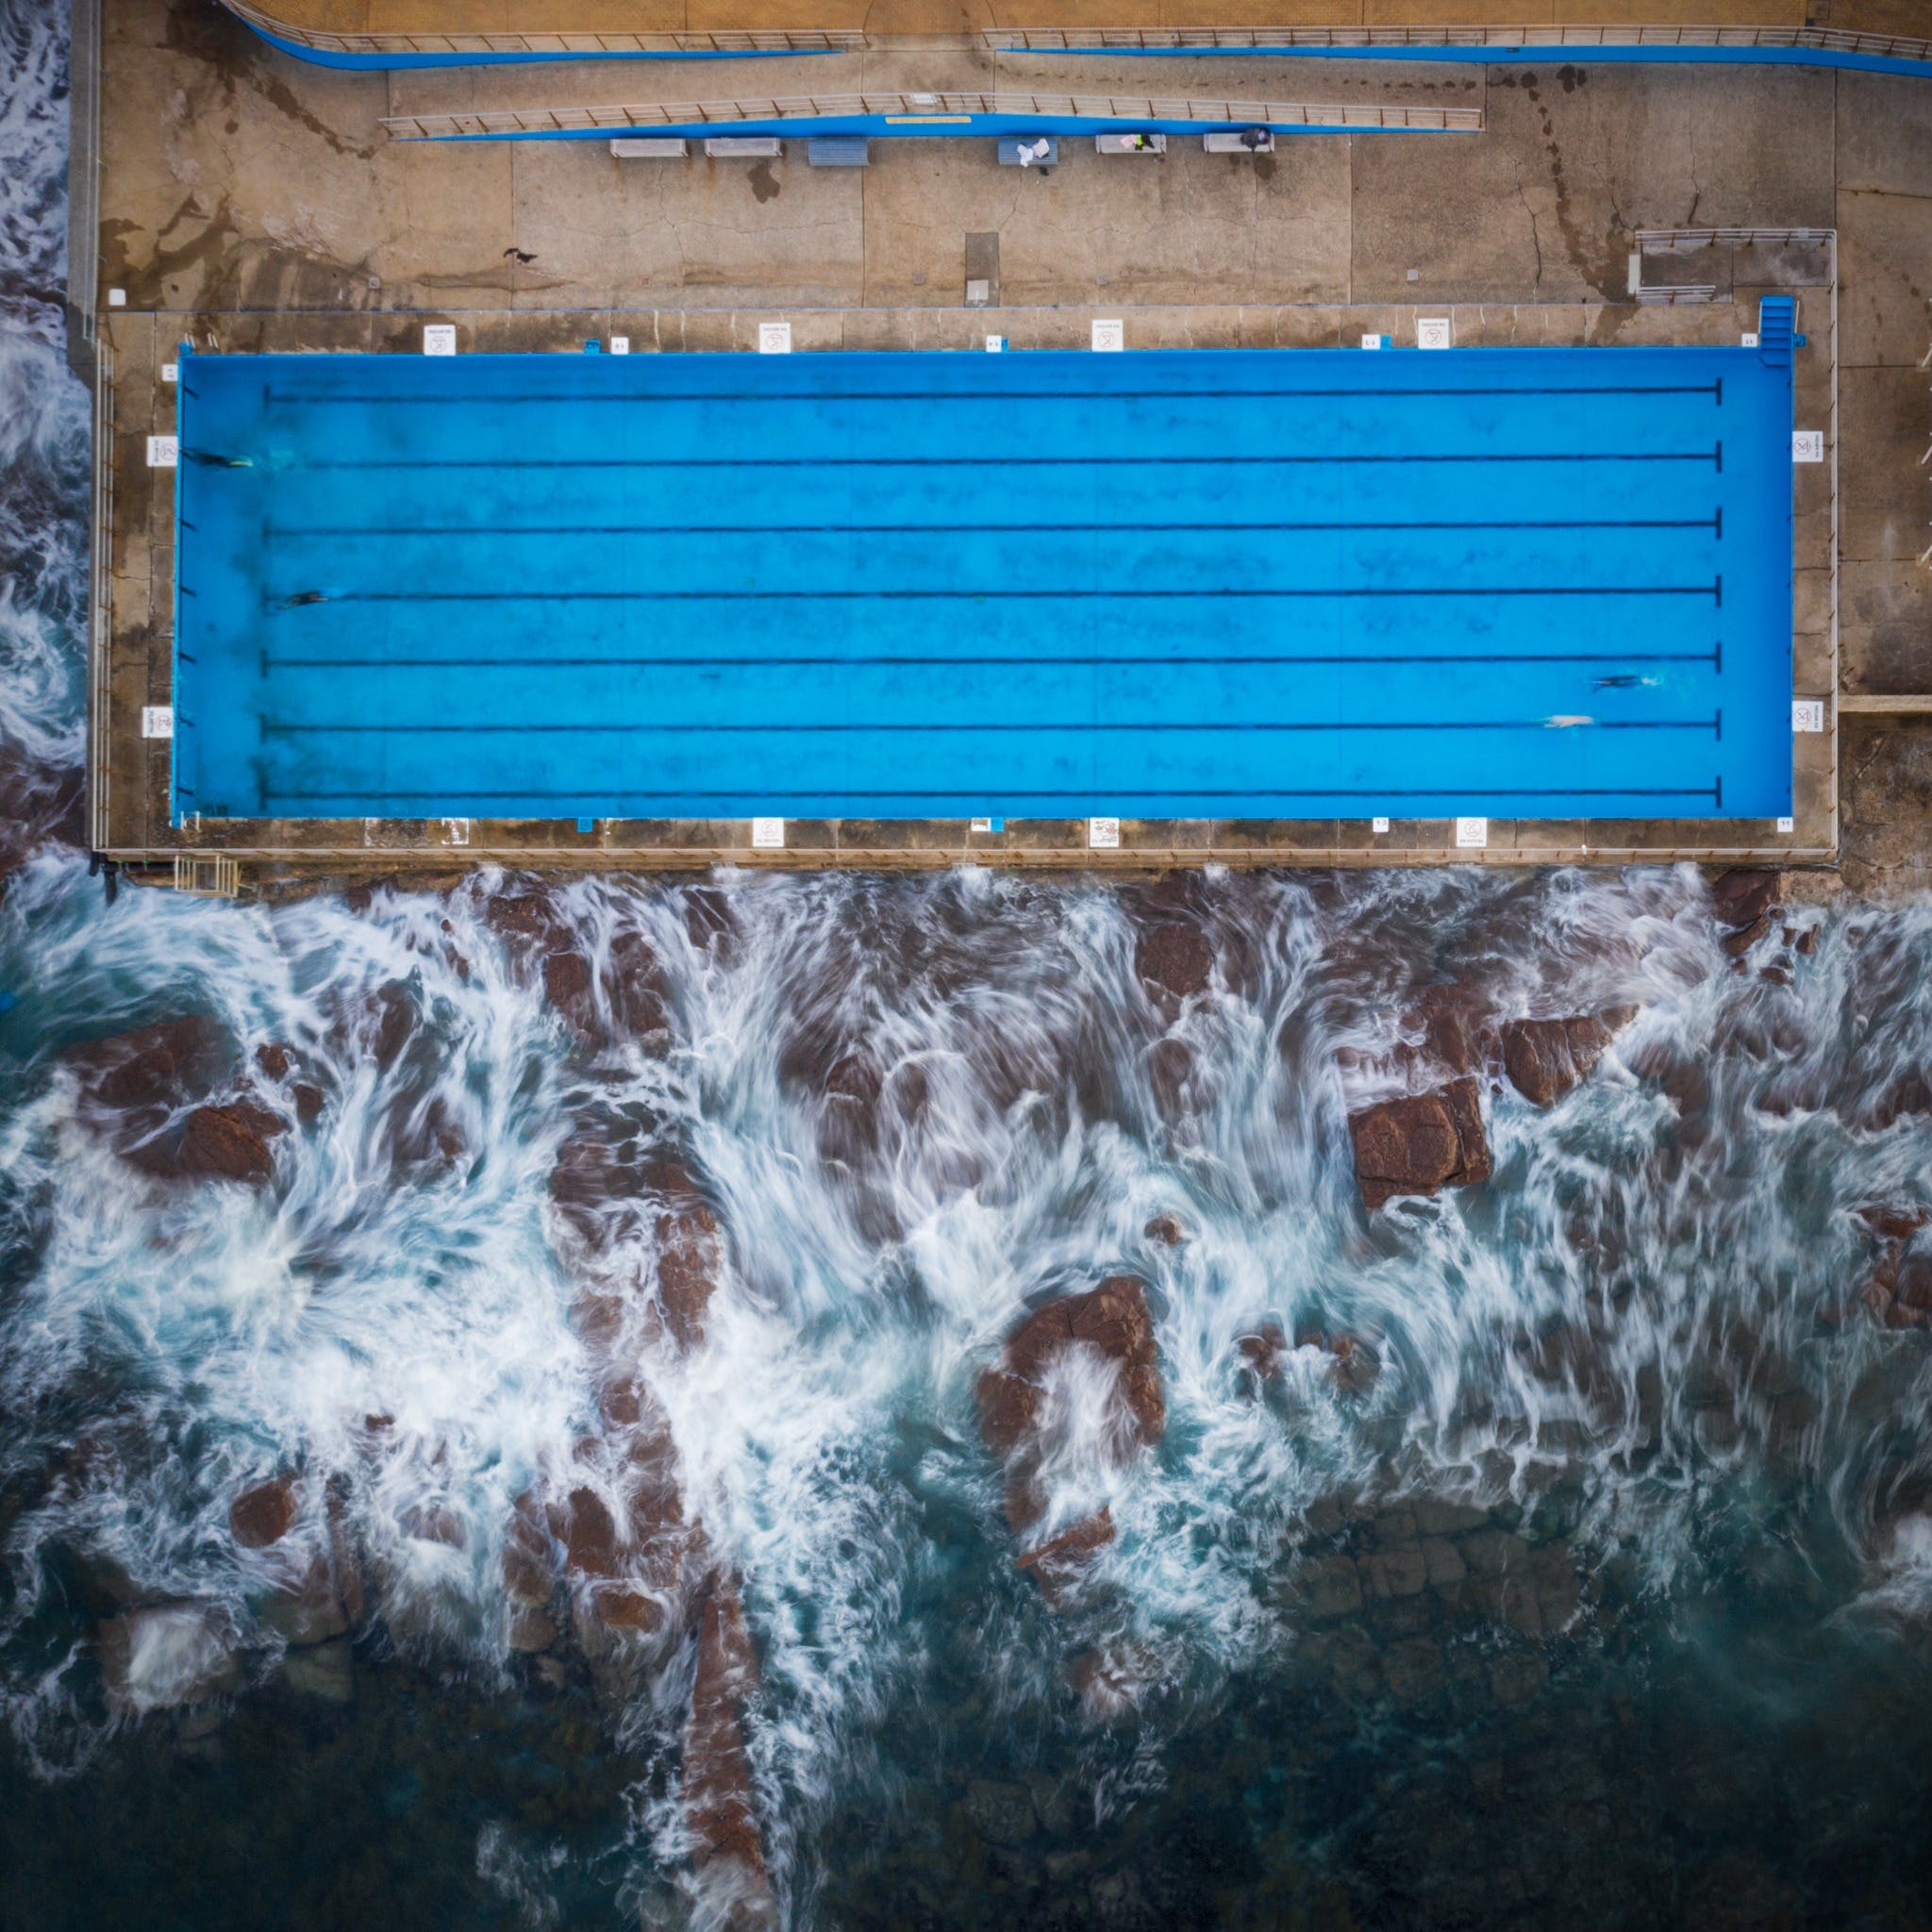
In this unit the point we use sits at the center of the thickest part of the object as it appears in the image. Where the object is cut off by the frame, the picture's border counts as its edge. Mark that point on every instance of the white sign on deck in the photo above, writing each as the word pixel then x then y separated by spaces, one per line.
pixel 1104 835
pixel 170 372
pixel 767 835
pixel 1378 826
pixel 1808 446
pixel 1432 332
pixel 1472 833
pixel 1808 714
pixel 157 721
pixel 455 831
pixel 1372 341
pixel 775 339
pixel 620 345
pixel 163 452
pixel 995 345
pixel 1110 335
pixel 439 339
pixel 1748 339
pixel 1787 824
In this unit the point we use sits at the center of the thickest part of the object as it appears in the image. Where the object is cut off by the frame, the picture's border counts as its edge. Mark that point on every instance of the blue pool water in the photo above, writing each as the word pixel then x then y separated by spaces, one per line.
pixel 1550 583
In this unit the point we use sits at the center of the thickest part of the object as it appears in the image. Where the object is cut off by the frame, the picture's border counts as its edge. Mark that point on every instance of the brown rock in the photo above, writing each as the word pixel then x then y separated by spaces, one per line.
pixel 588 1532
pixel 1175 963
pixel 308 1101
pixel 1166 1229
pixel 529 1555
pixel 1741 897
pixel 1112 1319
pixel 227 1142
pixel 1263 1350
pixel 1356 1367
pixel 1420 1143
pixel 273 1060
pixel 1737 943
pixel 688 1258
pixel 154 1067
pixel 1056 1563
pixel 434 1522
pixel 263 1513
pixel 531 1630
pixel 395 1019
pixel 1545 1058
pixel 1894 1223
pixel 718 1802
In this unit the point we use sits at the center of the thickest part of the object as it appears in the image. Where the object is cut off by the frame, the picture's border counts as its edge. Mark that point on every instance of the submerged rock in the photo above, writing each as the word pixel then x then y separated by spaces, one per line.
pixel 1420 1143
pixel 263 1513
pixel 167 1654
pixel 1545 1058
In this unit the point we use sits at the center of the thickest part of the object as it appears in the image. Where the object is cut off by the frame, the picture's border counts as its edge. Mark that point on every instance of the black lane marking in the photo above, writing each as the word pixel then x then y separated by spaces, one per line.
pixel 882 729
pixel 1037 527
pixel 421 804
pixel 1096 661
pixel 1112 397
pixel 1220 460
pixel 1016 594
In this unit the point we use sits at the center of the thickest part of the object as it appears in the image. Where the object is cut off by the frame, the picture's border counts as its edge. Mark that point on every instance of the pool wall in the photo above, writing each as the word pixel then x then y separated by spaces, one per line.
pixel 1257 585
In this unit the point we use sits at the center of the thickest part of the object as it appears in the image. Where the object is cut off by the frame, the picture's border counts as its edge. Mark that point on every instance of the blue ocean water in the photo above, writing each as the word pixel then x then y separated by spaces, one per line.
pixel 1546 583
pixel 1590 1582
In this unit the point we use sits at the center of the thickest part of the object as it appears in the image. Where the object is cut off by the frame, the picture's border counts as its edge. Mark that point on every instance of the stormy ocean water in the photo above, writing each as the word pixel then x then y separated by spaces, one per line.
pixel 869 1403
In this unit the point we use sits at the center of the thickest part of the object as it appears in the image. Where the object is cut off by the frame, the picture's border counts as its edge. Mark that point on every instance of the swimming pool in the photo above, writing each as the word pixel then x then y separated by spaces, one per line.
pixel 1531 583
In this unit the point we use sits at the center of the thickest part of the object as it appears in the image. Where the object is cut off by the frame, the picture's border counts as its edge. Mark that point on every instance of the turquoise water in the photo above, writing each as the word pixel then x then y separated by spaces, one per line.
pixel 1268 584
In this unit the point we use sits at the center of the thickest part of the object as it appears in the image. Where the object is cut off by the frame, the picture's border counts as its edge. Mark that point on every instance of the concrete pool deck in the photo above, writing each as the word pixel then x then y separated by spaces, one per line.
pixel 252 200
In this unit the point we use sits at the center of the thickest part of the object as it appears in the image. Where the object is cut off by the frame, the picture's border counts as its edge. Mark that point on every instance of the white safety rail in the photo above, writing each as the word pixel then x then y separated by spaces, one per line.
pixel 776 41
pixel 1820 39
pixel 926 109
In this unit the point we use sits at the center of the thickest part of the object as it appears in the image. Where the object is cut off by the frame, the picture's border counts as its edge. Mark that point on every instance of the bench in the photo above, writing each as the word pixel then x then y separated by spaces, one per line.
pixel 1251 141
pixel 732 147
pixel 1130 143
pixel 837 151
pixel 650 148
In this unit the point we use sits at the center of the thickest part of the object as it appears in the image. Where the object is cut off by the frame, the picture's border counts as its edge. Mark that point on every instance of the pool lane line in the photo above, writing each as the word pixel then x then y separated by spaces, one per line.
pixel 511 464
pixel 397 802
pixel 1015 595
pixel 270 663
pixel 1031 527
pixel 290 399
pixel 881 728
